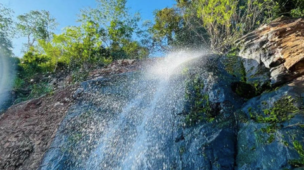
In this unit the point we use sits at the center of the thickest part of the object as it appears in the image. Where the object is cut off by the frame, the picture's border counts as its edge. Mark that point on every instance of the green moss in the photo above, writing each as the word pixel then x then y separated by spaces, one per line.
pixel 234 65
pixel 280 112
pixel 285 143
pixel 298 162
pixel 271 138
pixel 199 105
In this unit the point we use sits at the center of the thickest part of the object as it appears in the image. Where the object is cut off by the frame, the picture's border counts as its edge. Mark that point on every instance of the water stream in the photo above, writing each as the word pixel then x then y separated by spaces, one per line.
pixel 132 130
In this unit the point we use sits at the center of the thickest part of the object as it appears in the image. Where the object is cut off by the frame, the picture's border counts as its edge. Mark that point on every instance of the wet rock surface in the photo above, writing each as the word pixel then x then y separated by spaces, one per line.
pixel 266 139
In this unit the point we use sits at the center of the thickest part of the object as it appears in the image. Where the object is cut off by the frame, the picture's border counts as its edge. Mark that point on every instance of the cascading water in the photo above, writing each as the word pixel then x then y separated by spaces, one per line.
pixel 127 124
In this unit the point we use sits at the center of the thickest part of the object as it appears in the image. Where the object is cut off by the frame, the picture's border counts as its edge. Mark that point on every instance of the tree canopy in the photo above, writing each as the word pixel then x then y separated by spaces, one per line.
pixel 36 25
pixel 110 32
pixel 6 31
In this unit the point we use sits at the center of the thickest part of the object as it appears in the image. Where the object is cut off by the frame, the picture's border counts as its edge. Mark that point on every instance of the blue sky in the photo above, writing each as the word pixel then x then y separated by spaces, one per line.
pixel 66 11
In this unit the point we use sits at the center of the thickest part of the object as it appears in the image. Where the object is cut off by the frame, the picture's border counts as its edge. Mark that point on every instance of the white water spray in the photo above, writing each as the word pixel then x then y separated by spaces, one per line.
pixel 139 137
pixel 168 66
pixel 147 148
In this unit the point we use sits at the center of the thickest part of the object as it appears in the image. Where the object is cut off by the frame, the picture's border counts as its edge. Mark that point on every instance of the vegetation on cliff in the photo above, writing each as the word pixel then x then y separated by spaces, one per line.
pixel 110 32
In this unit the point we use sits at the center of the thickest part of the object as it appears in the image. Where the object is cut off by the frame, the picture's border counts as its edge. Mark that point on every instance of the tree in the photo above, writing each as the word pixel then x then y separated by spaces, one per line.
pixel 121 33
pixel 6 28
pixel 36 25
pixel 167 22
pixel 33 63
pixel 76 46
pixel 178 27
pixel 213 23
pixel 227 20
pixel 106 11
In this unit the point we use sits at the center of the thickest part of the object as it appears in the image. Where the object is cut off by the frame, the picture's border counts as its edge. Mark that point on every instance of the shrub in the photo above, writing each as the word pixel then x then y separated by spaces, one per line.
pixel 294 8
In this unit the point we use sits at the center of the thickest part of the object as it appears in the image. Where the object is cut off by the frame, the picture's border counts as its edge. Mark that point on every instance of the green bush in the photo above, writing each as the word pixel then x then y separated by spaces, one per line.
pixel 33 63
pixel 294 8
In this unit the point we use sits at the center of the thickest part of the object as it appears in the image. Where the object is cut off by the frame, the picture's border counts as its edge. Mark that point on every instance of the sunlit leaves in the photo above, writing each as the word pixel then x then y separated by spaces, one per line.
pixel 75 46
pixel 167 22
pixel 36 25
pixel 227 20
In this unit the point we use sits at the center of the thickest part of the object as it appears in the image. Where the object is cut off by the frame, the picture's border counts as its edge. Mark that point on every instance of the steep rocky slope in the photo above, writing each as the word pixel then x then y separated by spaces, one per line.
pixel 240 111
pixel 274 53
pixel 28 128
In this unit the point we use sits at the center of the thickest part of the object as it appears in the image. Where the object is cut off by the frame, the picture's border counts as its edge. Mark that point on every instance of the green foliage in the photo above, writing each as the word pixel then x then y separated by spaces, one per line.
pixel 178 27
pixel 36 25
pixel 78 76
pixel 119 27
pixel 294 8
pixel 36 90
pixel 34 63
pixel 106 12
pixel 227 20
pixel 167 23
pixel 299 148
pixel 199 105
pixel 282 110
pixel 76 46
pixel 40 89
pixel 121 43
pixel 216 23
pixel 19 83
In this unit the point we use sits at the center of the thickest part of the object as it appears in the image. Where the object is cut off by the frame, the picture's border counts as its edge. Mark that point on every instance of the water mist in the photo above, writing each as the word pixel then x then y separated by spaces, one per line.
pixel 132 124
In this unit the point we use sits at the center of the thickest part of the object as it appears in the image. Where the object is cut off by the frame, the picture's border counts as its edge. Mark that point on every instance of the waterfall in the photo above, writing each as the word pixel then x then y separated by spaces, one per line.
pixel 131 130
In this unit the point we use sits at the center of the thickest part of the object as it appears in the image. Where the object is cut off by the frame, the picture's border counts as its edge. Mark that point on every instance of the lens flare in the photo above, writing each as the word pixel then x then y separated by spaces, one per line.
pixel 6 81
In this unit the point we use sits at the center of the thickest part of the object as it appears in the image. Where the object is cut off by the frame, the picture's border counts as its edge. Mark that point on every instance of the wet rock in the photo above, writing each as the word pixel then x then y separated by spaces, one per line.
pixel 210 143
pixel 265 143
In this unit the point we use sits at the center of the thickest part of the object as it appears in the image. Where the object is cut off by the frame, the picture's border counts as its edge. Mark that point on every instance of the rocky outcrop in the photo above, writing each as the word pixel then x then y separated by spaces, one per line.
pixel 27 129
pixel 269 127
pixel 208 139
pixel 274 53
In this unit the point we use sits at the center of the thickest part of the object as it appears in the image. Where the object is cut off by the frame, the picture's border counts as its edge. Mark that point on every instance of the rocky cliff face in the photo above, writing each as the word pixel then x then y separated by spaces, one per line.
pixel 274 53
pixel 241 111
